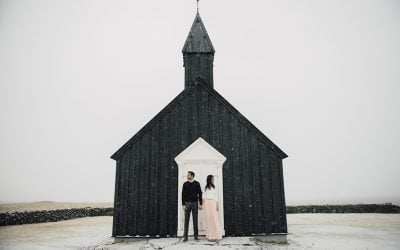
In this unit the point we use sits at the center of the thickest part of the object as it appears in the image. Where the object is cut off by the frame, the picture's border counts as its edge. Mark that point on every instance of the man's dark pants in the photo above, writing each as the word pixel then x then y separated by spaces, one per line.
pixel 191 207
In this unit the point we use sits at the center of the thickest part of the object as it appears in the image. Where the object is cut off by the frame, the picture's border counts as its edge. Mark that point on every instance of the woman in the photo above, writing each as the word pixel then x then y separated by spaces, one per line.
pixel 210 205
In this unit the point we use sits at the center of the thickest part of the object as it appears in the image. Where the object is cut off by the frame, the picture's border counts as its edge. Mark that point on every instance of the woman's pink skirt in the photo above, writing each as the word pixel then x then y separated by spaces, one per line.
pixel 212 225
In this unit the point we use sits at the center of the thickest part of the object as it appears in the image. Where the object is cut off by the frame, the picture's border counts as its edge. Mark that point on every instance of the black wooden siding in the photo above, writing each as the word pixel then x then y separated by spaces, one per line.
pixel 198 65
pixel 146 189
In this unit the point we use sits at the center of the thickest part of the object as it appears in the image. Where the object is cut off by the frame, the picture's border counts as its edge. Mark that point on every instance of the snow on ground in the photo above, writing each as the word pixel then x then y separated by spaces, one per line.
pixel 69 234
pixel 315 231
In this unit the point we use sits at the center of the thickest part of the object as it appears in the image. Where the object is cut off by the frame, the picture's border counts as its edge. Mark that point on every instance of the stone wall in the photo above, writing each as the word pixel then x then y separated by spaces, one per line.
pixel 367 208
pixel 18 218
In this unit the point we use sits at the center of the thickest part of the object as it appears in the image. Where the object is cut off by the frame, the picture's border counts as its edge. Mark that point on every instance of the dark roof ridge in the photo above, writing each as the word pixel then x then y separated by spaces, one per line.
pixel 153 121
pixel 241 117
pixel 200 83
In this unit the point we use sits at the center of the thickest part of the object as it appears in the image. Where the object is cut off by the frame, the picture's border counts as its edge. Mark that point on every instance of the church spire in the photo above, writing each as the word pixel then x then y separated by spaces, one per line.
pixel 198 39
pixel 198 54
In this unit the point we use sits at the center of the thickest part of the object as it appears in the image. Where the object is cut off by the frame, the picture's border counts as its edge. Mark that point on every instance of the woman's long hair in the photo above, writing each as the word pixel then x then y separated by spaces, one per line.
pixel 209 182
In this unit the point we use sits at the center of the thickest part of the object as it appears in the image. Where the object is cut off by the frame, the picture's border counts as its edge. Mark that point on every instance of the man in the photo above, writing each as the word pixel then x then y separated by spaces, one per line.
pixel 191 195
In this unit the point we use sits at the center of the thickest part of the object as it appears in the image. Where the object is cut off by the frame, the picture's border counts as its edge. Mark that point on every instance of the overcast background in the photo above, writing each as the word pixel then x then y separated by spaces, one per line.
pixel 321 79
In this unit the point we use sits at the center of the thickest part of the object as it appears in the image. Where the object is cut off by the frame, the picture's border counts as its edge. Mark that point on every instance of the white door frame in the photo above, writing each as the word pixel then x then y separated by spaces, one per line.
pixel 203 159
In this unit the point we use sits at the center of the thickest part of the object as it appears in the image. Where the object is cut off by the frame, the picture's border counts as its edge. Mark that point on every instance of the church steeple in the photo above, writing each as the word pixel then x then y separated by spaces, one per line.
pixel 198 54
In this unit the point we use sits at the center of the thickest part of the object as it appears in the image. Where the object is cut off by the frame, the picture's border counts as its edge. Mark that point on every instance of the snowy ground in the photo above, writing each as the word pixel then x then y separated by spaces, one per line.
pixel 315 231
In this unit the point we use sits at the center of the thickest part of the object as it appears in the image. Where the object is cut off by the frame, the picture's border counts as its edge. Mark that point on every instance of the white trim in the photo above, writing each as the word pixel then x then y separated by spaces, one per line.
pixel 203 159
pixel 183 158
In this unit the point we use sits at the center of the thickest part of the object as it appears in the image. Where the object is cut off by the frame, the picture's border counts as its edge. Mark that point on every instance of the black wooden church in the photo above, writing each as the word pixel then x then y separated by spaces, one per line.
pixel 146 184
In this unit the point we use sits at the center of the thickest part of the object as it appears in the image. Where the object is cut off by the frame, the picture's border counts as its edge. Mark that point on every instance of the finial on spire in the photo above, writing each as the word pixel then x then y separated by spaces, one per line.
pixel 197 6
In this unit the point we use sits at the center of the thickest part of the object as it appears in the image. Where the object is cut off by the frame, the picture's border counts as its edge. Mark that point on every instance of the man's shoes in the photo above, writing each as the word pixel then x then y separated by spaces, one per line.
pixel 185 239
pixel 196 238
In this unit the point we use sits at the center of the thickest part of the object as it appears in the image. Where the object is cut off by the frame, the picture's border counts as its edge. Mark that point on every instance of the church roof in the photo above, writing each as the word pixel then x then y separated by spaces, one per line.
pixel 185 94
pixel 198 40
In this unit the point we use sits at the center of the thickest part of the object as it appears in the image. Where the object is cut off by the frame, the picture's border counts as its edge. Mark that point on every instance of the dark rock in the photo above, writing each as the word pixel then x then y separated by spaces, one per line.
pixel 361 208
pixel 29 217
pixel 19 218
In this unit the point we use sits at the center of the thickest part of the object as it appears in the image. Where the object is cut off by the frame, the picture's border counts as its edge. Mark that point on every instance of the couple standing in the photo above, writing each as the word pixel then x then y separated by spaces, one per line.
pixel 191 196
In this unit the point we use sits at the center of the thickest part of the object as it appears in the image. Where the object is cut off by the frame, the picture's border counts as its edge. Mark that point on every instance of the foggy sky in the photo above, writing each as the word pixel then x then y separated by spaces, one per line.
pixel 321 79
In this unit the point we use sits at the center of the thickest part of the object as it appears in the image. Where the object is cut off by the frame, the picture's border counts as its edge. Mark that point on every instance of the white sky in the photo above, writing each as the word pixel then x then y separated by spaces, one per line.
pixel 320 78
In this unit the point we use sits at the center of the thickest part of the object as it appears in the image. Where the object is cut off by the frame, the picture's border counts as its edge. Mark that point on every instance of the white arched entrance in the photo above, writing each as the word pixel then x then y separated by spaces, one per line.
pixel 203 159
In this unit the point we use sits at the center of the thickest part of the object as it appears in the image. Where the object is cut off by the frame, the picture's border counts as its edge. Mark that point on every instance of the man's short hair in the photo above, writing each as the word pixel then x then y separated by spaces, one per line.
pixel 191 173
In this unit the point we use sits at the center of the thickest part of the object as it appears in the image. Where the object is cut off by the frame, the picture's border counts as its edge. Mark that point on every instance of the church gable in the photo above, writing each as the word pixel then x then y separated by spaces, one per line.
pixel 196 108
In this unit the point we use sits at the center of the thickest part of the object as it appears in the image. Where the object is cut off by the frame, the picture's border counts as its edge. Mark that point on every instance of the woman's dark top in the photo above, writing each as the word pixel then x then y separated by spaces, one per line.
pixel 191 192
